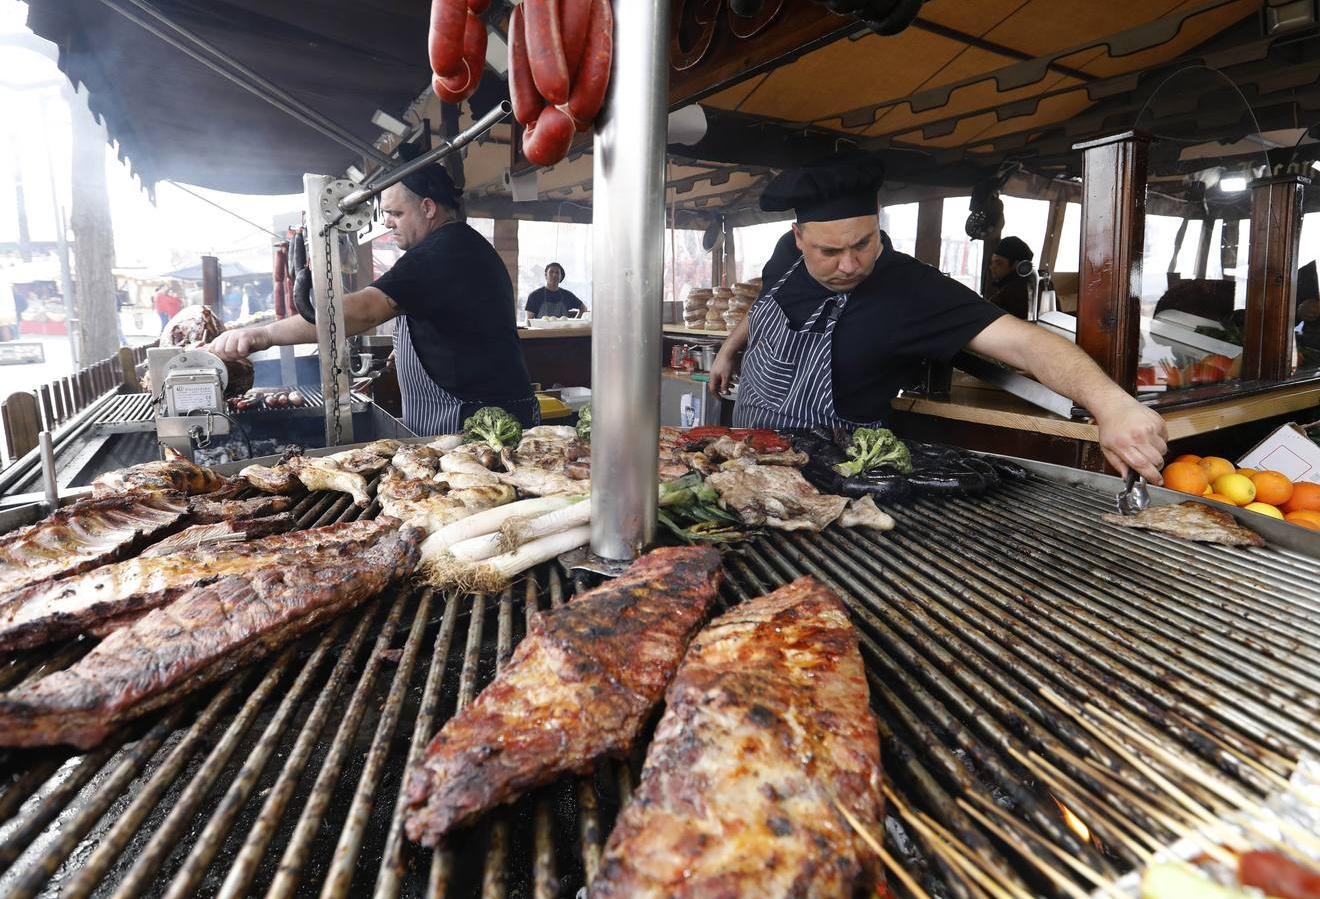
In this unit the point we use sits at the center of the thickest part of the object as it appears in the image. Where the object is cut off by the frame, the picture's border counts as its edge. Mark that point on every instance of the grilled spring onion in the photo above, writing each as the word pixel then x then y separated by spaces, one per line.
pixel 494 573
pixel 690 509
pixel 514 531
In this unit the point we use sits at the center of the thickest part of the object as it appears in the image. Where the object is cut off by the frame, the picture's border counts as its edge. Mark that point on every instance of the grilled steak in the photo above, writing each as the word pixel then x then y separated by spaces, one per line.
pixel 198 639
pixel 91 602
pixel 217 534
pixel 85 534
pixel 175 474
pixel 1190 521
pixel 579 686
pixel 766 724
pixel 209 511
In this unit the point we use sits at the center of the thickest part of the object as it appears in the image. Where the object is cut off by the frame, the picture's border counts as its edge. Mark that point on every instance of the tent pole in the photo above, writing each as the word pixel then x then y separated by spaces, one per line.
pixel 627 264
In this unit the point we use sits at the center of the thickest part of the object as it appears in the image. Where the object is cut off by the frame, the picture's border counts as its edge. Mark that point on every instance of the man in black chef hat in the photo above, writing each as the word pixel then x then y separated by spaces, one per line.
pixel 844 319
pixel 456 344
pixel 1012 276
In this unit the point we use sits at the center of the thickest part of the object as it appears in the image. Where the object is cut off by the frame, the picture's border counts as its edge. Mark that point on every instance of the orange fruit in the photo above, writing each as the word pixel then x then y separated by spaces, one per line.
pixel 1216 467
pixel 1188 457
pixel 1220 498
pixel 1186 477
pixel 1306 518
pixel 1264 509
pixel 1305 497
pixel 1237 488
pixel 1272 487
pixel 1249 472
pixel 1222 363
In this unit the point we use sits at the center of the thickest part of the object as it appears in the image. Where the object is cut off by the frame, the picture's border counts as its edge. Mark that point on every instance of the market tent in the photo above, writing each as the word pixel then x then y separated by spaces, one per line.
pixel 228 271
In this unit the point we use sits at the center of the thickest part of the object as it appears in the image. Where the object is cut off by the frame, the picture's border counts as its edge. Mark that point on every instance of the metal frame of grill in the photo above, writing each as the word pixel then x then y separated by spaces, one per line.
pixel 1028 666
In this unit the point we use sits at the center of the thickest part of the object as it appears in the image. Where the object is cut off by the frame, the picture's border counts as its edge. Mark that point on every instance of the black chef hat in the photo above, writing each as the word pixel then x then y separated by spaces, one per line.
pixel 1014 249
pixel 1308 285
pixel 431 182
pixel 837 188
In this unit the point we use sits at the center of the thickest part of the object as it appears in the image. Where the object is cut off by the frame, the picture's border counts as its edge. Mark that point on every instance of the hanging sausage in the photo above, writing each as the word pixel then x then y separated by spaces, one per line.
pixel 456 45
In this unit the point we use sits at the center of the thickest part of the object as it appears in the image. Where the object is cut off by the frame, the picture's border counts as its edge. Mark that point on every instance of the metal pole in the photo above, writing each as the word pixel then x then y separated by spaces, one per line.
pixel 331 333
pixel 461 140
pixel 192 46
pixel 48 480
pixel 628 281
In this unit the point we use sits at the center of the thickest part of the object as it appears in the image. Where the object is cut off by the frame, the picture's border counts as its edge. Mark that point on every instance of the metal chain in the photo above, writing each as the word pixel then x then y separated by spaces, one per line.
pixel 335 370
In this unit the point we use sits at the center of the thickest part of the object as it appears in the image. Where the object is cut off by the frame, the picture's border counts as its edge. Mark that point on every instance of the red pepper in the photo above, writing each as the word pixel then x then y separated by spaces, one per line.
pixel 1278 875
pixel 762 440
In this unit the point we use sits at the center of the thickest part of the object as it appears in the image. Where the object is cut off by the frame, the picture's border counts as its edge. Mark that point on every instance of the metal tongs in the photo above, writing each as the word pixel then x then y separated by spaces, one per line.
pixel 1134 497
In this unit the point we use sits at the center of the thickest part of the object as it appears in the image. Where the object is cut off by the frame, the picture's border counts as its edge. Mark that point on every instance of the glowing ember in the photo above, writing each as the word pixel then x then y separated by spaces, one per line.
pixel 1075 824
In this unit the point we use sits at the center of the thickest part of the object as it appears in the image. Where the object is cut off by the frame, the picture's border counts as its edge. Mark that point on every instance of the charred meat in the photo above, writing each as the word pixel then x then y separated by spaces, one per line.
pixel 81 604
pixel 85 534
pixel 173 475
pixel 209 511
pixel 579 686
pixel 431 504
pixel 775 495
pixel 766 724
pixel 198 639
pixel 1190 521
pixel 218 533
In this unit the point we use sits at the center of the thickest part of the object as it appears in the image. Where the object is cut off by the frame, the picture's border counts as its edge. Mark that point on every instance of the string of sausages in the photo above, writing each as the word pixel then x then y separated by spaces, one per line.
pixel 560 53
pixel 456 44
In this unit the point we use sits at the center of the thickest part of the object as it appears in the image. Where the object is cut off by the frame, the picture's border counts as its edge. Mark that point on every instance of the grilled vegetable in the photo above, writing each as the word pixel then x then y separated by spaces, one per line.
pixel 690 509
pixel 883 487
pixel 1180 881
pixel 872 448
pixel 494 427
pixel 1278 875
pixel 584 423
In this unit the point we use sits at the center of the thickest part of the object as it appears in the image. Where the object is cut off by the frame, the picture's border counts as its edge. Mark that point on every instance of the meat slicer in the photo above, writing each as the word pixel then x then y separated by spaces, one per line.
pixel 188 397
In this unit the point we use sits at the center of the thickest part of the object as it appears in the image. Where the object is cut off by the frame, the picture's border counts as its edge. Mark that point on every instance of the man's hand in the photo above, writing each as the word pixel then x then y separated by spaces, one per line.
pixel 240 343
pixel 1133 436
pixel 722 372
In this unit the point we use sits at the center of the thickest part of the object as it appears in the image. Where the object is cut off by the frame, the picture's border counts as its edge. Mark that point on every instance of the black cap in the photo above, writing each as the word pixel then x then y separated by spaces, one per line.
pixel 838 188
pixel 1308 285
pixel 1014 249
pixel 432 182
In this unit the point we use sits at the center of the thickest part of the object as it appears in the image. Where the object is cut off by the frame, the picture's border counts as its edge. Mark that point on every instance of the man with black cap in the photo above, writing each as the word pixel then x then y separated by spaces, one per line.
pixel 456 337
pixel 1011 277
pixel 844 319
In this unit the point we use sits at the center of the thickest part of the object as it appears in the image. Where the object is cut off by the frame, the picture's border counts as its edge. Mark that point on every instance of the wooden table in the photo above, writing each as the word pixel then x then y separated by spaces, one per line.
pixel 557 356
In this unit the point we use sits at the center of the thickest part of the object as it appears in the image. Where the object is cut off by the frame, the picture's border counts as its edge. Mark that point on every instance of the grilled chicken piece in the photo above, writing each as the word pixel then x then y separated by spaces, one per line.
pixel 386 447
pixel 359 461
pixel 325 474
pixel 85 534
pixel 446 442
pixel 272 479
pixel 175 474
pixel 1190 521
pixel 431 505
pixel 863 513
pixel 199 638
pixel 208 511
pixel 580 685
pixel 775 495
pixel 52 611
pixel 561 433
pixel 766 723
pixel 417 461
pixel 544 483
pixel 218 533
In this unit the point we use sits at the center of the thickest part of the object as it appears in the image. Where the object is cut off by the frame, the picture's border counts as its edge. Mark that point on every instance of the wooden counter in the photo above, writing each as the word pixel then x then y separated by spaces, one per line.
pixel 557 356
pixel 549 333
pixel 685 331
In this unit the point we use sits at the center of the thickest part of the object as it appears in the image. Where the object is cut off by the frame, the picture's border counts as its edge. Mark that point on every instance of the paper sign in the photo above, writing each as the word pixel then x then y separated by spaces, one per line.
pixel 1289 451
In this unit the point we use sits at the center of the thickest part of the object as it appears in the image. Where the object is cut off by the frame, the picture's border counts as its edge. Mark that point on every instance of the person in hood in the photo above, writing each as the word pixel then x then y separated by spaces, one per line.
pixel 844 319
pixel 1012 277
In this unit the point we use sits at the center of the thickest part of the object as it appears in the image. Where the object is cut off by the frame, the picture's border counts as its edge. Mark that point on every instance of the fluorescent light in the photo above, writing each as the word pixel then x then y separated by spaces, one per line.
pixel 1315 164
pixel 497 53
pixel 354 174
pixel 1233 184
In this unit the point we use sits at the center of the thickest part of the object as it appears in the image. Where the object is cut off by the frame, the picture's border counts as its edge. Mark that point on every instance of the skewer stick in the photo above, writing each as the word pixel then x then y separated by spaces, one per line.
pixel 878 848
pixel 955 851
pixel 1167 817
pixel 1095 877
pixel 1058 879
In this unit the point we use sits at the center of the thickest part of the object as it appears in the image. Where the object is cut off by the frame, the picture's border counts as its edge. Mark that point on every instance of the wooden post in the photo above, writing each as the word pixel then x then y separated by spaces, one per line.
pixel 506 244
pixel 1049 254
pixel 930 231
pixel 47 409
pixel 211 297
pixel 22 423
pixel 128 371
pixel 1276 231
pixel 1113 223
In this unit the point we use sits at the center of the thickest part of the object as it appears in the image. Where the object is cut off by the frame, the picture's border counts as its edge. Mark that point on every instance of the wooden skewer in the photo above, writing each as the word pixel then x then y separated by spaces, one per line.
pixel 1058 879
pixel 1165 817
pixel 878 848
pixel 1095 877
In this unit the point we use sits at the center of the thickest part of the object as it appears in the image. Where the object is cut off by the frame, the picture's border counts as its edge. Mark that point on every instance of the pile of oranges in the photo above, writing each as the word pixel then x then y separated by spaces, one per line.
pixel 1267 492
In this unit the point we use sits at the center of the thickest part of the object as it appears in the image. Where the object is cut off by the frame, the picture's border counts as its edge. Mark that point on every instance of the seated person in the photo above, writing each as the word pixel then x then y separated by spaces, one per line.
pixel 1009 288
pixel 553 299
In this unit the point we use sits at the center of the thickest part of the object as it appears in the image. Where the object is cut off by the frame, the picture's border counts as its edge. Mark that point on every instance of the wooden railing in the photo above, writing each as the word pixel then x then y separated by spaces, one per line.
pixel 23 416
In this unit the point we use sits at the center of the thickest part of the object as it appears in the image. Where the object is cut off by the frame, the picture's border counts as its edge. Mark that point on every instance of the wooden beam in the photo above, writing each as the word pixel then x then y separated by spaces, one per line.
pixel 211 293
pixel 1276 232
pixel 930 231
pixel 1113 228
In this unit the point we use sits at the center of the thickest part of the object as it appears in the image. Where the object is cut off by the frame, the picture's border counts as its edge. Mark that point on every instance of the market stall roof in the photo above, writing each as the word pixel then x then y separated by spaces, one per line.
pixel 173 118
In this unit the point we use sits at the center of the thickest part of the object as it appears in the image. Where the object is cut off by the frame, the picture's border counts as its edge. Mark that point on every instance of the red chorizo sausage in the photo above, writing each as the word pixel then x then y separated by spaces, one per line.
pixel 1278 875
pixel 464 82
pixel 593 76
pixel 527 103
pixel 546 141
pixel 444 93
pixel 444 42
pixel 574 18
pixel 478 7
pixel 545 50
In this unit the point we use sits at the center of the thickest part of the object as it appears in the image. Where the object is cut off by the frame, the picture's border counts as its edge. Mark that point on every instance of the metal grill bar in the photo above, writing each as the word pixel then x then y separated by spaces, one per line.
pixel 975 617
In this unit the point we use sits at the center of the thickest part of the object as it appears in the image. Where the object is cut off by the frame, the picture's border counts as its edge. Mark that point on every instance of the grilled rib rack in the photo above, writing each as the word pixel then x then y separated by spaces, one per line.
pixel 986 625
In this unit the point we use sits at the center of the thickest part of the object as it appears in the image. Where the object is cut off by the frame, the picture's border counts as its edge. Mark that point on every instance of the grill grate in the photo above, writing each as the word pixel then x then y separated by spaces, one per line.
pixel 977 619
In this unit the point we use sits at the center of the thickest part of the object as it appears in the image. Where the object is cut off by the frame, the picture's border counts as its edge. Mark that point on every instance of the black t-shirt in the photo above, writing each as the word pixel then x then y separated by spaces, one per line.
pixel 1013 294
pixel 905 311
pixel 538 298
pixel 457 296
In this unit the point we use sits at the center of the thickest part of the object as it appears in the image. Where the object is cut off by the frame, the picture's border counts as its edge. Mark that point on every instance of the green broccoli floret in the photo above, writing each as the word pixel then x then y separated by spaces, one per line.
pixel 492 426
pixel 584 423
pixel 872 448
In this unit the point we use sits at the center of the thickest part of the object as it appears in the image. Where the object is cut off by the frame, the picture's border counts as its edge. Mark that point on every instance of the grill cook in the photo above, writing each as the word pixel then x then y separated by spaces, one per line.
pixel 845 317
pixel 456 338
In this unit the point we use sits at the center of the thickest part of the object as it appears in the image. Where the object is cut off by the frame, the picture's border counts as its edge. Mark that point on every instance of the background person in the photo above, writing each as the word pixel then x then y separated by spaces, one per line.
pixel 1010 289
pixel 553 299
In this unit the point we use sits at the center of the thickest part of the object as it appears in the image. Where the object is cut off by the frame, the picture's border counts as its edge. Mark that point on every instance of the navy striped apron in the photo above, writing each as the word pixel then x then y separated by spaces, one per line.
pixel 787 375
pixel 430 409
